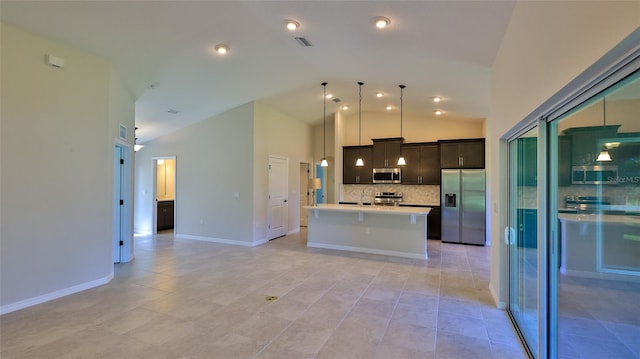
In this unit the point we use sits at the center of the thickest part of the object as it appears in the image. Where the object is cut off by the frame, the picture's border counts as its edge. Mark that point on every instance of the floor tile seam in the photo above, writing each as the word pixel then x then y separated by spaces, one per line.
pixel 393 311
pixel 435 344
pixel 348 312
pixel 266 345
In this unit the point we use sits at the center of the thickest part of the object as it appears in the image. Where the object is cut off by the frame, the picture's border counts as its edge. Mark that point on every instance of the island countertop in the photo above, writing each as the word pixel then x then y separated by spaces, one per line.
pixel 397 210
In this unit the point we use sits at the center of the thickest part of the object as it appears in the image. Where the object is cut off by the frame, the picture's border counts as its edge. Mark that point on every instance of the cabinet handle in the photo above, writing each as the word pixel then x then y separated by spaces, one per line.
pixel 357 179
pixel 462 161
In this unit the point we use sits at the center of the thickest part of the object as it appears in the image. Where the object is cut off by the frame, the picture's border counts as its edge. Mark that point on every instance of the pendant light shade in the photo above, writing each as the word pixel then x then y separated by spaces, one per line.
pixel 324 162
pixel 359 161
pixel 401 161
pixel 604 155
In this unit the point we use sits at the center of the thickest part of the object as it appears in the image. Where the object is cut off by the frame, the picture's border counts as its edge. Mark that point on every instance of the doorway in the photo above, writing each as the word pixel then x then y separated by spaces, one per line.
pixel 305 191
pixel 165 194
pixel 322 174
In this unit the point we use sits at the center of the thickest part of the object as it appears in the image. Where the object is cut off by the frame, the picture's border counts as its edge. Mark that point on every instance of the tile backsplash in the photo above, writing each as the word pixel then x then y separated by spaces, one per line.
pixel 422 194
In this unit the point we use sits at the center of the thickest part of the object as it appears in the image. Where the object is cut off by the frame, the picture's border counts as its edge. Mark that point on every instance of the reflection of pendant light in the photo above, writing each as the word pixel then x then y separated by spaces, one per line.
pixel 359 161
pixel 324 162
pixel 401 161
pixel 604 155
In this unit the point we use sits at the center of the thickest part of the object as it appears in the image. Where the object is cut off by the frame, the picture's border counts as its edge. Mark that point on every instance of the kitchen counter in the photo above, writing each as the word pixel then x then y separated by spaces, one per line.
pixel 387 230
pixel 595 245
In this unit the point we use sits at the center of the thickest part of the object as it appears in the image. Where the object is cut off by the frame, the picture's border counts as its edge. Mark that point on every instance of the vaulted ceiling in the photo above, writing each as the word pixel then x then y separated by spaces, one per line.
pixel 163 51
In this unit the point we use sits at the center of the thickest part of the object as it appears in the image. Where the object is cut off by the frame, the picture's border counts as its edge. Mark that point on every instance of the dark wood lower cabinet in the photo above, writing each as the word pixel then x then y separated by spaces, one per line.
pixel 165 215
pixel 433 223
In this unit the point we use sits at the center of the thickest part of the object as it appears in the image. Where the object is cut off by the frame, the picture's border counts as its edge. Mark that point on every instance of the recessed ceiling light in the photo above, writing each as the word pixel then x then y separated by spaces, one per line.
pixel 437 98
pixel 381 22
pixel 345 107
pixel 329 95
pixel 379 94
pixel 389 107
pixel 438 112
pixel 222 49
pixel 292 25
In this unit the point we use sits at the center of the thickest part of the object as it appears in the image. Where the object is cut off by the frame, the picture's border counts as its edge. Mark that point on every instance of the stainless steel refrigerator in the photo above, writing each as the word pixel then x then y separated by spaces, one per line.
pixel 462 197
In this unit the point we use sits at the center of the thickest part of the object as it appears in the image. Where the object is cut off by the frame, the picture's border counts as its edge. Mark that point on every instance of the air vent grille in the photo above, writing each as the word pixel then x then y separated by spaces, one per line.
pixel 337 100
pixel 303 42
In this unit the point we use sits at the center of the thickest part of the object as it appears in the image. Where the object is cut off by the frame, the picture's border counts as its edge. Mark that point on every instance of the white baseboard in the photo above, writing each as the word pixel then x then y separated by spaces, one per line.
pixel 367 250
pixel 54 295
pixel 496 298
pixel 221 240
pixel 293 231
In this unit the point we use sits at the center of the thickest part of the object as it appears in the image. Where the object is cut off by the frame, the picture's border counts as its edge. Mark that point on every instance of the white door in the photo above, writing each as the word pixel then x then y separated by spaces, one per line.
pixel 118 163
pixel 278 206
pixel 304 192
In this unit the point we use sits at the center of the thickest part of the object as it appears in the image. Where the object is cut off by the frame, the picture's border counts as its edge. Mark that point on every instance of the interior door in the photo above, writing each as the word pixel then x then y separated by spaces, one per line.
pixel 118 212
pixel 521 237
pixel 278 190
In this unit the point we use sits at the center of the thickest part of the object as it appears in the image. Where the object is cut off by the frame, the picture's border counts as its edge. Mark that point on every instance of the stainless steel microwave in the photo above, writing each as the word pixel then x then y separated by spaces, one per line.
pixel 594 174
pixel 387 175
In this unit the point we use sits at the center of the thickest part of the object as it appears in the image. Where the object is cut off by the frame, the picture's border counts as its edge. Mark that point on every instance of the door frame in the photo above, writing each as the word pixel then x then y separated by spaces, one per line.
pixel 304 188
pixel 154 199
pixel 125 212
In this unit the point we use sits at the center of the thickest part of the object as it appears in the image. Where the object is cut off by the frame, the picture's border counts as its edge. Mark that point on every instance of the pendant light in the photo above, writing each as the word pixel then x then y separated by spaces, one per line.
pixel 401 161
pixel 359 161
pixel 324 162
pixel 604 155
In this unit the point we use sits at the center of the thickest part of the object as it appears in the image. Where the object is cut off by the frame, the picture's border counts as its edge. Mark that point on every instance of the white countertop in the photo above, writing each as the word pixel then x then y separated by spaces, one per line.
pixel 371 209
pixel 605 218
pixel 421 204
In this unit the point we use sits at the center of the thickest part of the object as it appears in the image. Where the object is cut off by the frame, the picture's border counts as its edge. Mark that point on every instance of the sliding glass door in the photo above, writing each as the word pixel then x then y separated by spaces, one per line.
pixel 573 233
pixel 522 236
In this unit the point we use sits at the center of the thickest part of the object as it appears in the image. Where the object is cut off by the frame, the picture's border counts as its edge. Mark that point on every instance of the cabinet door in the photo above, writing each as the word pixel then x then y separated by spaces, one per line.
pixel 352 174
pixel 386 153
pixel 449 155
pixel 365 173
pixel 430 164
pixel 564 160
pixel 412 170
pixel 472 154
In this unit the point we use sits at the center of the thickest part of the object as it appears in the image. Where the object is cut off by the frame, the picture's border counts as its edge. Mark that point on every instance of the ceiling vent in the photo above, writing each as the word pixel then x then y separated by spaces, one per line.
pixel 336 100
pixel 173 112
pixel 303 42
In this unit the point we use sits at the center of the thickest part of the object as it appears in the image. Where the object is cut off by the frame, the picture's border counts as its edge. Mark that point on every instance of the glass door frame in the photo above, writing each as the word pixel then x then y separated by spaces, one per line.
pixel 620 62
pixel 542 256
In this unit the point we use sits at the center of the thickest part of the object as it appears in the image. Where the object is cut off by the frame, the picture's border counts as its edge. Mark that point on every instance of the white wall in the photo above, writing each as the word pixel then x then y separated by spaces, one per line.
pixel 279 135
pixel 214 159
pixel 547 44
pixel 414 128
pixel 57 147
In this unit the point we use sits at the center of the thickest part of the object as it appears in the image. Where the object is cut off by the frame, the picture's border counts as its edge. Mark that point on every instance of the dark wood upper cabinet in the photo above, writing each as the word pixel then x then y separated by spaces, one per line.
pixel 386 152
pixel 423 163
pixel 351 174
pixel 467 153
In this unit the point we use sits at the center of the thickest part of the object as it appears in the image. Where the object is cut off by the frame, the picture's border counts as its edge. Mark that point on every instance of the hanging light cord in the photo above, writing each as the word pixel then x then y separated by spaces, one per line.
pixel 360 112
pixel 401 96
pixel 324 119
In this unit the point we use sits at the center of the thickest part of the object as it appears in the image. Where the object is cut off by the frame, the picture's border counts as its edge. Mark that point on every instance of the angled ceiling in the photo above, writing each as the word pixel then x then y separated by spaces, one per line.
pixel 443 48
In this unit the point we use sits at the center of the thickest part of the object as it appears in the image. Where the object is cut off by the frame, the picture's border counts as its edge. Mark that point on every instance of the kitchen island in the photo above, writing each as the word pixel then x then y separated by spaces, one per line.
pixel 593 245
pixel 387 230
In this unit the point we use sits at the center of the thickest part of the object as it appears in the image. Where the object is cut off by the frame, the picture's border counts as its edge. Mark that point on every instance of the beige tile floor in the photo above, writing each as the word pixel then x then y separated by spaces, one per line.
pixel 189 299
